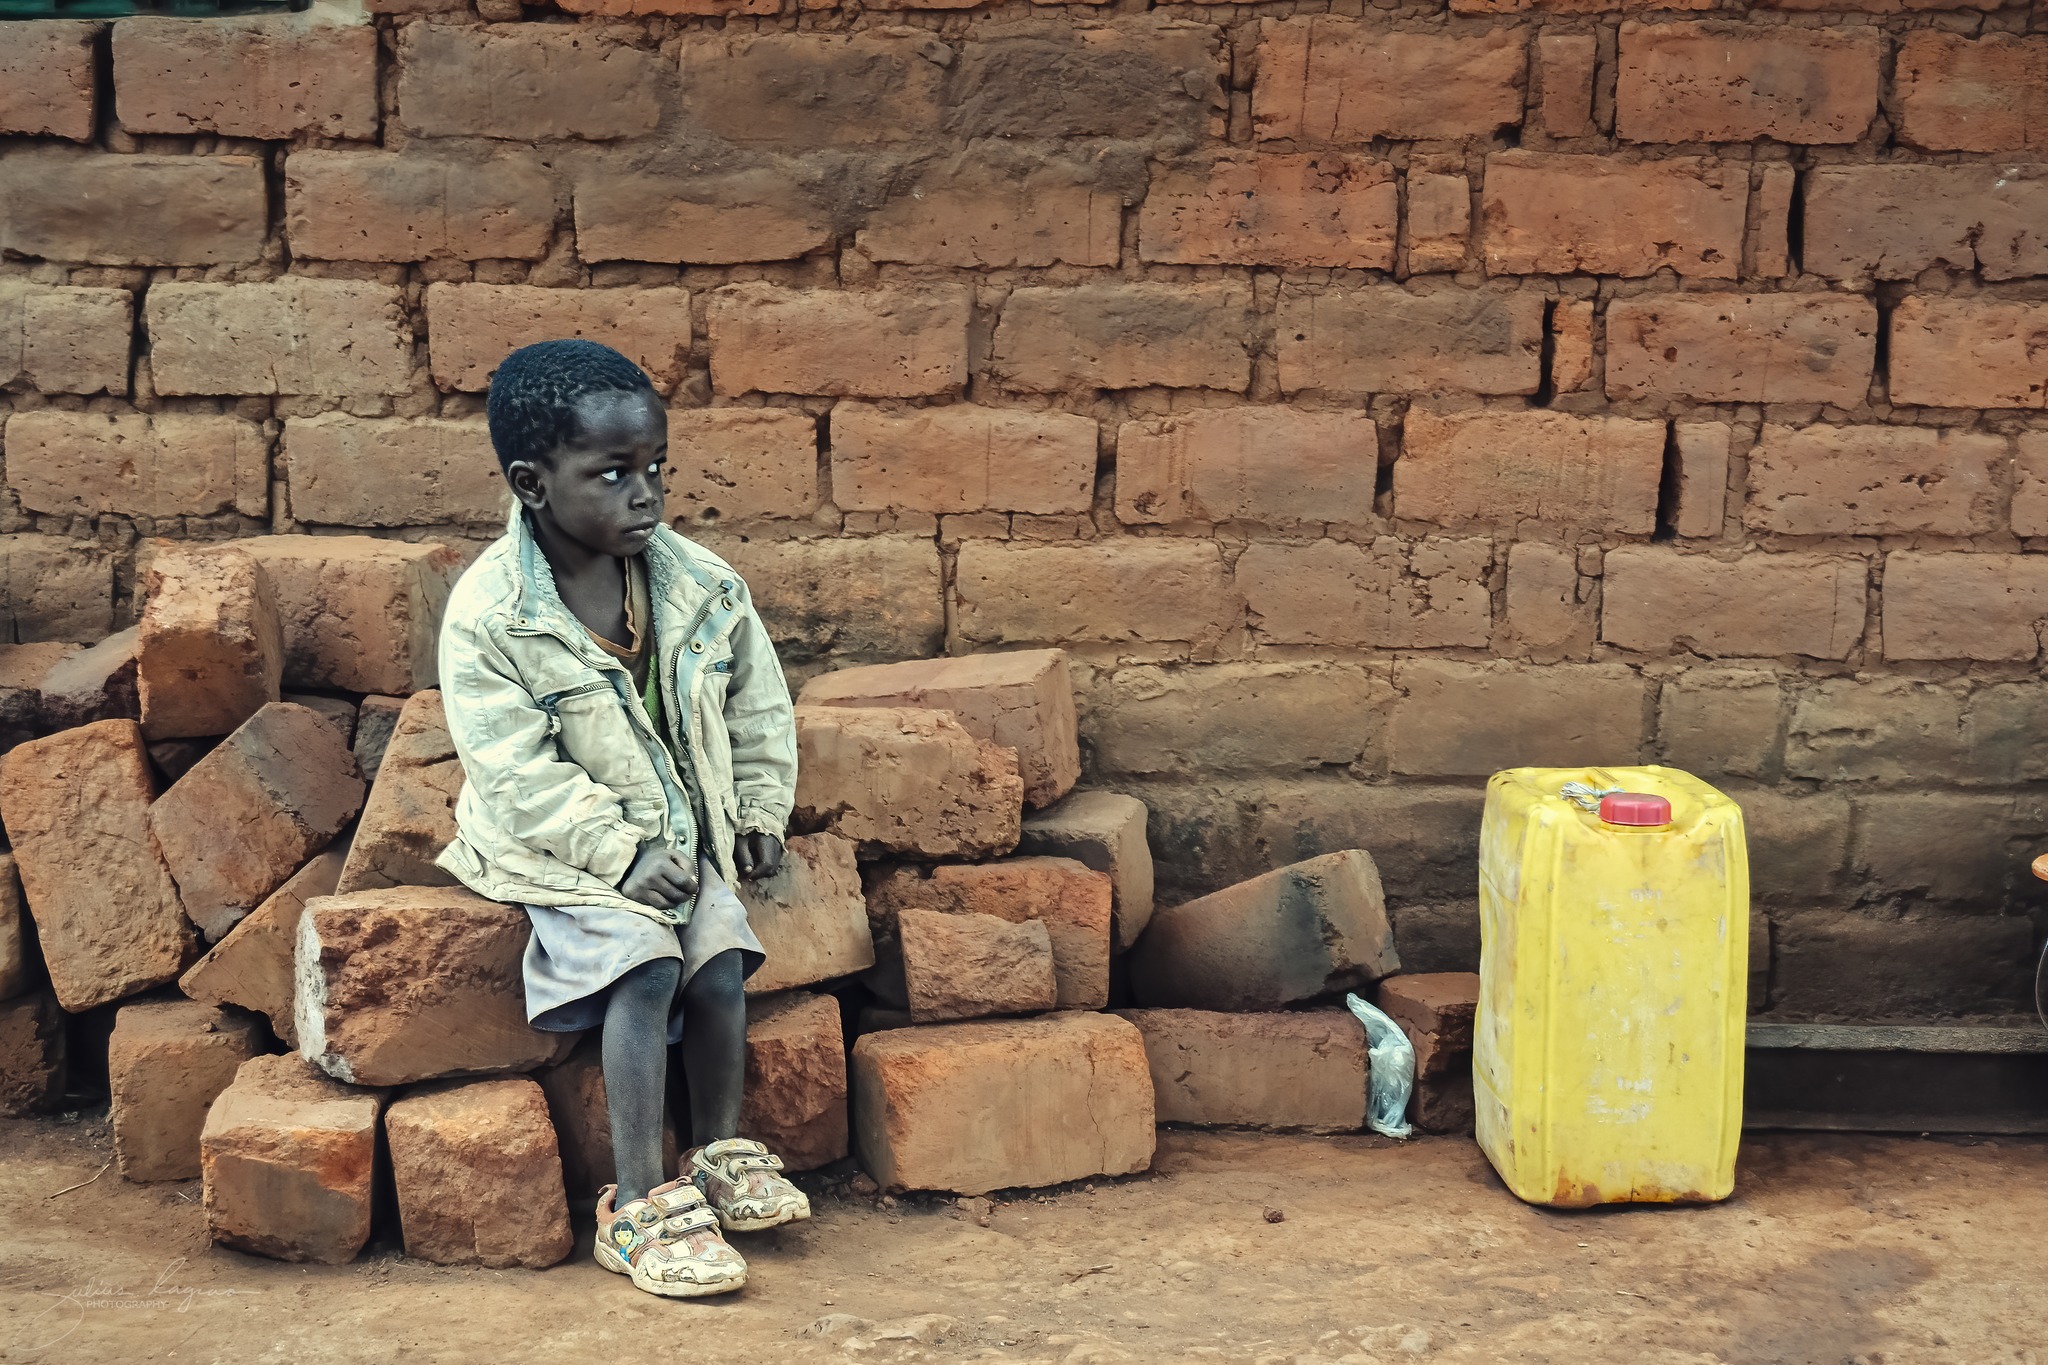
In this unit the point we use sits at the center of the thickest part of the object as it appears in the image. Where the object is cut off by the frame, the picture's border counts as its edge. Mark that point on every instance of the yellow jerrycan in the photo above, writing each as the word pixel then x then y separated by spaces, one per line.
pixel 1613 968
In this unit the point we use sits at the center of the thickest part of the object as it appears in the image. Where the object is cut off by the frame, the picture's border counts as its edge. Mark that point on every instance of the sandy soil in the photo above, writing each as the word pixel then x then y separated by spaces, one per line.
pixel 1836 1250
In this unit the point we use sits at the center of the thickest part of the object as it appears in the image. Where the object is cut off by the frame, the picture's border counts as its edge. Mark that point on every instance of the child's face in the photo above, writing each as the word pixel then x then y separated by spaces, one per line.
pixel 603 488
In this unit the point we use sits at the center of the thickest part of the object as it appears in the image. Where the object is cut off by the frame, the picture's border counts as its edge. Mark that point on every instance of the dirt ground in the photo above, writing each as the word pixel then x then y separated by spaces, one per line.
pixel 1835 1250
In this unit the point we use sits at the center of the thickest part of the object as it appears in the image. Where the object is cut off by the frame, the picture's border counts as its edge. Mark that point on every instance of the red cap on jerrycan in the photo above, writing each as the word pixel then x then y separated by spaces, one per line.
pixel 1634 809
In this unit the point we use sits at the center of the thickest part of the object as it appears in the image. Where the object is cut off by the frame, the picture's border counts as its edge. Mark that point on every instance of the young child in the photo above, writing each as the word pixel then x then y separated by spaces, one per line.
pixel 630 750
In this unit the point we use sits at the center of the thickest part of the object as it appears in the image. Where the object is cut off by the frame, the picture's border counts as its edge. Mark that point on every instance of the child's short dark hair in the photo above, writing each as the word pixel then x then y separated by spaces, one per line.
pixel 534 392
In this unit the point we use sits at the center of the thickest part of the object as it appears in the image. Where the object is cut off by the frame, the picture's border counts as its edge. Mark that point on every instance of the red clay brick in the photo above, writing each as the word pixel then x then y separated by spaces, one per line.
pixel 1270 464
pixel 250 813
pixel 52 588
pixel 525 82
pixel 471 327
pixel 1893 221
pixel 1021 699
pixel 65 340
pixel 1571 346
pixel 1872 480
pixel 880 343
pixel 289 1161
pixel 1125 336
pixel 796 1080
pixel 359 614
pixel 103 209
pixel 2030 486
pixel 812 89
pixel 1964 606
pixel 417 205
pixel 1244 208
pixel 414 471
pixel 1543 607
pixel 1703 450
pixel 1291 935
pixel 47 85
pixel 1439 221
pixel 209 651
pixel 1468 720
pixel 257 77
pixel 967 212
pixel 1383 338
pixel 409 818
pixel 961 458
pixel 1964 94
pixel 1969 352
pixel 1772 257
pixel 1328 79
pixel 167 1061
pixel 1742 348
pixel 478 1174
pixel 677 7
pixel 990 1104
pixel 1564 82
pixel 106 910
pixel 1507 466
pixel 905 780
pixel 857 598
pixel 756 214
pixel 1387 594
pixel 970 966
pixel 1135 591
pixel 1547 214
pixel 739 464
pixel 809 916
pixel 133 464
pixel 1161 720
pixel 1655 600
pixel 1298 1069
pixel 294 336
pixel 1691 82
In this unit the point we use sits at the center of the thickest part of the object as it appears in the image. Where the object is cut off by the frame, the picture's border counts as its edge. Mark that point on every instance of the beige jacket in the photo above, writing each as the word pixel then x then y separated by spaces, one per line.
pixel 566 777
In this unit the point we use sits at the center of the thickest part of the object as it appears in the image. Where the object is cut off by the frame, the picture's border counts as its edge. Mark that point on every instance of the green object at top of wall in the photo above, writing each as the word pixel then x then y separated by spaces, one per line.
pixel 122 9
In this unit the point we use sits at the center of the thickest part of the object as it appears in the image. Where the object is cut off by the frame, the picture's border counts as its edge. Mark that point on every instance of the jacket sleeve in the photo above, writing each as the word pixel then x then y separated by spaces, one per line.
pixel 510 757
pixel 762 727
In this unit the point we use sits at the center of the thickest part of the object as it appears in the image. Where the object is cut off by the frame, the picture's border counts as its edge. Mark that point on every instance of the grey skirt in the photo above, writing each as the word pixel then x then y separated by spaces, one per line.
pixel 577 951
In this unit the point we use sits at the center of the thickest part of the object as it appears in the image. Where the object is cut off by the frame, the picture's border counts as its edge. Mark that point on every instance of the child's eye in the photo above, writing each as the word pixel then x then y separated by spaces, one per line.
pixel 612 475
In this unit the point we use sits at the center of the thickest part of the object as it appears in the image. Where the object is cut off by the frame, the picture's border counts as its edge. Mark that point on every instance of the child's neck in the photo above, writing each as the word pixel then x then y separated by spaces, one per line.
pixel 592 584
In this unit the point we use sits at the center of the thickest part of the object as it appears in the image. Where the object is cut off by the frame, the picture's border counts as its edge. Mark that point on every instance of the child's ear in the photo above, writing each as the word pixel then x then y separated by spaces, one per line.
pixel 529 483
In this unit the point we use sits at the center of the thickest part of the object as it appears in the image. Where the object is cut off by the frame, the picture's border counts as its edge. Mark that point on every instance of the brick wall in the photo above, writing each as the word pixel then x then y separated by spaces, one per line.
pixel 1369 398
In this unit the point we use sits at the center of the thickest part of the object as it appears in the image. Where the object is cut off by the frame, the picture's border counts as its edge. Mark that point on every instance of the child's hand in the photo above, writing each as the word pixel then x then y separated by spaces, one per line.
pixel 757 855
pixel 658 878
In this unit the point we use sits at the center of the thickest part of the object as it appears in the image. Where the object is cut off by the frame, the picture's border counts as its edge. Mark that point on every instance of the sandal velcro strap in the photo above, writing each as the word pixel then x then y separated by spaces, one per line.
pixel 766 1162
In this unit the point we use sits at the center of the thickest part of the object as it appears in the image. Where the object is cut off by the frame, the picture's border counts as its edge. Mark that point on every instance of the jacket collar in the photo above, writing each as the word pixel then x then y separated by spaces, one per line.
pixel 540 602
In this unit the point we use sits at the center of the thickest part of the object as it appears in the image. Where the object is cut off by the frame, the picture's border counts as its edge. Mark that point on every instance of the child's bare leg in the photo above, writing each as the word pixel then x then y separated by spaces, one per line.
pixel 635 1047
pixel 714 1046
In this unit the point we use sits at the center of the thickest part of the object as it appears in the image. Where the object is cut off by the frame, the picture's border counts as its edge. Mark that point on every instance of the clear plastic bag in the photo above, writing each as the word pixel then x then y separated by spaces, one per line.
pixel 1390 1075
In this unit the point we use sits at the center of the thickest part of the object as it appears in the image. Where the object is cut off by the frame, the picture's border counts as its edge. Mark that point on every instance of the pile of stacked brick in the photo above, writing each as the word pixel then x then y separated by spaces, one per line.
pixel 1442 387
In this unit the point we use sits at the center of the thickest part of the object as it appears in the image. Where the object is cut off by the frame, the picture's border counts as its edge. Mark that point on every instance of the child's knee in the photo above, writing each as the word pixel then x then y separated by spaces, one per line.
pixel 721 981
pixel 652 981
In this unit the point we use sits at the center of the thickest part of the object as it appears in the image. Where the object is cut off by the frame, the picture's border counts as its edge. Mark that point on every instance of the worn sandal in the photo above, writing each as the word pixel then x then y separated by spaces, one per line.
pixel 668 1243
pixel 739 1178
